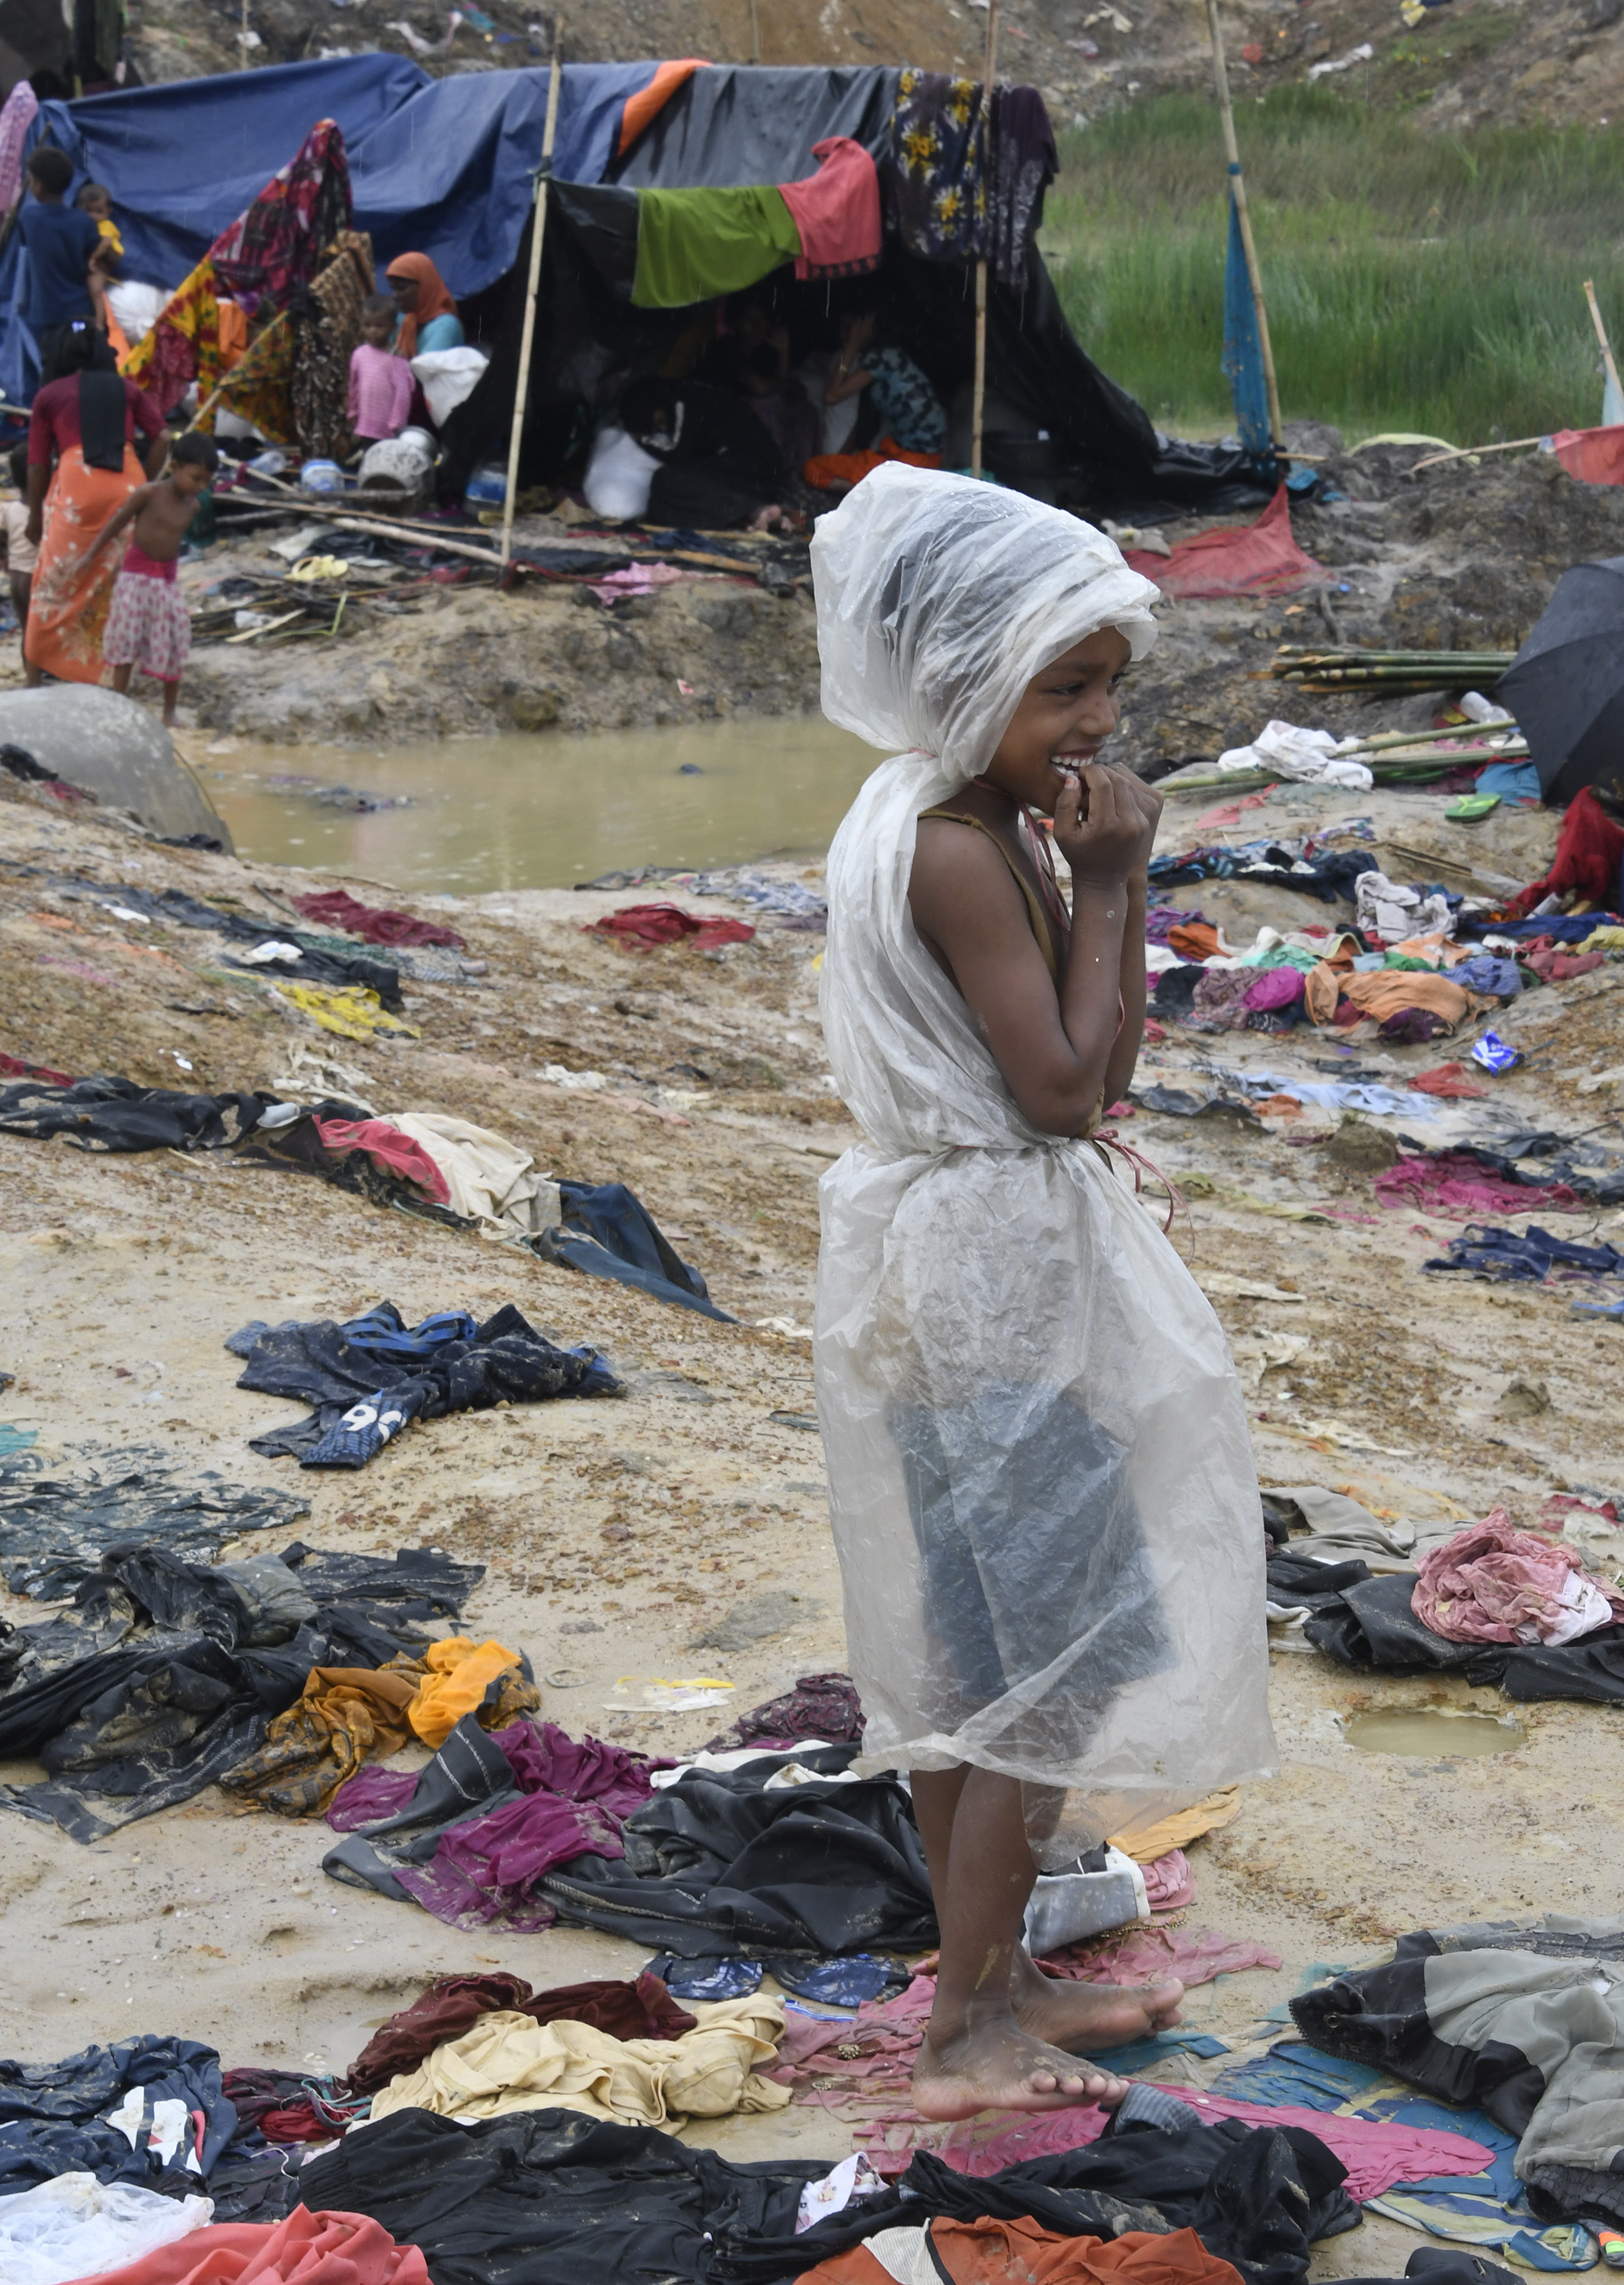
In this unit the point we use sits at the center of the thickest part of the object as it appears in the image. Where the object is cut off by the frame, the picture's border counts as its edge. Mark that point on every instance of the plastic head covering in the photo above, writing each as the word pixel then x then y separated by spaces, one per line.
pixel 939 599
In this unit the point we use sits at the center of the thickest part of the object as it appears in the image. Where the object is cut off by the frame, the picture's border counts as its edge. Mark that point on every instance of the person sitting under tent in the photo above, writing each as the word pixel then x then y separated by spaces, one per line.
pixel 751 358
pixel 429 318
pixel 716 470
pixel 913 424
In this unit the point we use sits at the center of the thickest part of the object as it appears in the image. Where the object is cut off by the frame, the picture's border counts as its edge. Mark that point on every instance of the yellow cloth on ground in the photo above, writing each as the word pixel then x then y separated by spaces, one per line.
pixel 1145 1844
pixel 354 1011
pixel 459 1673
pixel 510 2062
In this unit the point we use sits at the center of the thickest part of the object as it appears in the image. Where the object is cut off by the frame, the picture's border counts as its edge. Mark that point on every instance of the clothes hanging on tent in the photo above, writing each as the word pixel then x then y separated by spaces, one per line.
pixel 692 245
pixel 837 211
pixel 325 339
pixel 936 179
pixel 1022 162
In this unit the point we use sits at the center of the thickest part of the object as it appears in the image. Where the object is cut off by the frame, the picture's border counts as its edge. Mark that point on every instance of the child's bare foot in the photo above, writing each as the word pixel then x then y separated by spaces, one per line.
pixel 1080 2016
pixel 995 2065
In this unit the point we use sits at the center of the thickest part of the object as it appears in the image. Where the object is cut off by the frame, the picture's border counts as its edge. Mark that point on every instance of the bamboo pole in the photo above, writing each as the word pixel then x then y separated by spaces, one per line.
pixel 539 226
pixel 755 34
pixel 1237 184
pixel 1475 452
pixel 979 393
pixel 1601 335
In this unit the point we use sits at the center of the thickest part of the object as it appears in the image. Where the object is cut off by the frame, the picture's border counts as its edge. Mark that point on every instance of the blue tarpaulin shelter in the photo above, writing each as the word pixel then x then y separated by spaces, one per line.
pixel 441 167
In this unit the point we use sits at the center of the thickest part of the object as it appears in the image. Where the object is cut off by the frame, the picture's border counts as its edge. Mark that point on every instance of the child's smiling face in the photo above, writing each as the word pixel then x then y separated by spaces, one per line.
pixel 1065 717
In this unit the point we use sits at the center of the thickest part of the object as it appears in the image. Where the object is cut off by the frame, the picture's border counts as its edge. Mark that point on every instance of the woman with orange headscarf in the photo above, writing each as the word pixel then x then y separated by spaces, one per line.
pixel 429 318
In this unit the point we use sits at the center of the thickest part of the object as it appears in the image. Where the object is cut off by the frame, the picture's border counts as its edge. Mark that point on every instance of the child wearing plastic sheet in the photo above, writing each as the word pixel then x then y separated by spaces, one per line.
pixel 1041 1480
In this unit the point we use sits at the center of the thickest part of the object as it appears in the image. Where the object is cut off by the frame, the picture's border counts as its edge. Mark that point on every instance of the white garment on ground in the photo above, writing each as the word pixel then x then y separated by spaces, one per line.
pixel 618 476
pixel 448 378
pixel 1286 752
pixel 1040 1478
pixel 76 2227
pixel 488 1177
pixel 1387 909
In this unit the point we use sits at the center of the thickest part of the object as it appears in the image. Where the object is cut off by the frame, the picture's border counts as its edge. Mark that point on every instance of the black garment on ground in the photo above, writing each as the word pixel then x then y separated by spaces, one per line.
pixel 206 1660
pixel 317 963
pixel 1528 1259
pixel 716 467
pixel 548 2197
pixel 716 1865
pixel 106 1113
pixel 55 1528
pixel 316 1362
pixel 609 1232
pixel 1372 1624
pixel 298 1148
pixel 1301 1583
pixel 1174 991
pixel 52 2122
pixel 469 1777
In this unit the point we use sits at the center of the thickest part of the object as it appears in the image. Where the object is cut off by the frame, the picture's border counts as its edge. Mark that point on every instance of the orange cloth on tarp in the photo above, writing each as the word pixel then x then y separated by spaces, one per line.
pixel 1019 2252
pixel 646 104
pixel 1193 939
pixel 305 2249
pixel 233 332
pixel 830 468
pixel 459 1673
pixel 348 1714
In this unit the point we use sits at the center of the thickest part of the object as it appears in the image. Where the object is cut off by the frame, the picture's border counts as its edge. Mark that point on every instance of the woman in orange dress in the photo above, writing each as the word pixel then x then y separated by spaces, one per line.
pixel 88 421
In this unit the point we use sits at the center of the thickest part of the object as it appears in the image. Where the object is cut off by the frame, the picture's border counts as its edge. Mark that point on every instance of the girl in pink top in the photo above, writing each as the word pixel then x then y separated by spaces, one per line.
pixel 380 382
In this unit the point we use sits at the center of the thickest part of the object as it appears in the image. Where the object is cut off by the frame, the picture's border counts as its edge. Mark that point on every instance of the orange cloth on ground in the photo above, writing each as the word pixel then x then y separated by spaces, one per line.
pixel 68 610
pixel 1321 989
pixel 306 2249
pixel 433 299
pixel 347 1714
pixel 1193 939
pixel 1019 2252
pixel 459 1673
pixel 830 468
pixel 1385 992
pixel 650 101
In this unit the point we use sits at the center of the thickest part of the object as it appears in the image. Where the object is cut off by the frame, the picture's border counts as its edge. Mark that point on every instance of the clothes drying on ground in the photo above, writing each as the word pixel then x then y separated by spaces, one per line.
pixel 605 1230
pixel 147 2111
pixel 987 2252
pixel 304 2248
pixel 1373 1624
pixel 1531 1258
pixel 75 2226
pixel 442 1367
pixel 1529 2022
pixel 472 1837
pixel 103 1113
pixel 511 2062
pixel 377 923
pixel 388 1147
pixel 820 1706
pixel 482 1176
pixel 722 1863
pixel 1461 1182
pixel 1386 993
pixel 345 1716
pixel 1257 559
pixel 552 2198
pixel 1492 1583
pixel 640 2010
pixel 649 926
pixel 57 1517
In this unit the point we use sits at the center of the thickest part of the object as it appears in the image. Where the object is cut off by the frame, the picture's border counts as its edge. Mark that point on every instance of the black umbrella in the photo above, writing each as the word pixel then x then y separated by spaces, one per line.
pixel 1565 686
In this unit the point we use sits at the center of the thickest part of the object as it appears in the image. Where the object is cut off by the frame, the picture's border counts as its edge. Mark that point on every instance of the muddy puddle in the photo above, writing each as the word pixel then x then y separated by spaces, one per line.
pixel 1433 1731
pixel 474 814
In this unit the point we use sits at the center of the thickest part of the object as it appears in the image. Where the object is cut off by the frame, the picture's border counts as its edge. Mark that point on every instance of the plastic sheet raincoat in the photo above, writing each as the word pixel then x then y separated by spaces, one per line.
pixel 1040 1478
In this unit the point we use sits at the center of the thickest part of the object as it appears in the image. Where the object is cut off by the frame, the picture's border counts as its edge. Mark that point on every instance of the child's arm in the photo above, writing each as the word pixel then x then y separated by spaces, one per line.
pixel 1057 1049
pixel 842 384
pixel 115 524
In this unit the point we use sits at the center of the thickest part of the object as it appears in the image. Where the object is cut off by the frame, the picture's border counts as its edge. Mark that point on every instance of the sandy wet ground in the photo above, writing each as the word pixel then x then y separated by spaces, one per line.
pixel 683 1529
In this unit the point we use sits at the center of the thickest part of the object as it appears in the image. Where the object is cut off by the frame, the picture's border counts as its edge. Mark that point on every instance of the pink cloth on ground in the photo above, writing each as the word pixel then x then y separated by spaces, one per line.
pixel 635 579
pixel 1377 2152
pixel 1275 988
pixel 1170 1885
pixel 379 392
pixel 1492 1583
pixel 1140 1955
pixel 837 211
pixel 306 2249
pixel 1460 1189
pixel 388 1148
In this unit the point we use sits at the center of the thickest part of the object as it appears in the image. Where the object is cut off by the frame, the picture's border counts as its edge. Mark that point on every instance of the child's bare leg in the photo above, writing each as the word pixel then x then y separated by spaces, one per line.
pixel 171 699
pixel 120 679
pixel 1075 2017
pixel 976 2054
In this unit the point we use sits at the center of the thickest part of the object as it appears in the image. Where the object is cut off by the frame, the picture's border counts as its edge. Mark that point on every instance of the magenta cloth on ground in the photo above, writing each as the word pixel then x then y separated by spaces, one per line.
pixel 1170 1885
pixel 1275 987
pixel 635 579
pixel 575 1797
pixel 388 1148
pixel 837 211
pixel 1377 2152
pixel 1140 1955
pixel 374 923
pixel 1457 1188
pixel 1492 1583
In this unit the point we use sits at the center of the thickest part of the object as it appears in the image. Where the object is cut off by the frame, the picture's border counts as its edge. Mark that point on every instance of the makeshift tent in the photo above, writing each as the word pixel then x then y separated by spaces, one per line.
pixel 445 167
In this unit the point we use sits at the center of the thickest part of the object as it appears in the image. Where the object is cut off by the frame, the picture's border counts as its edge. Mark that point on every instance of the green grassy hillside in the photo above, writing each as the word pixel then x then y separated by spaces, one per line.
pixel 1414 280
